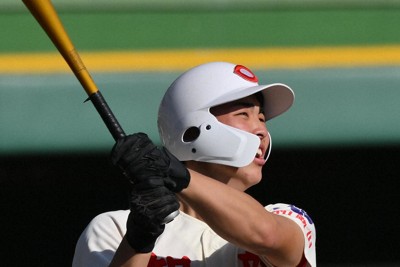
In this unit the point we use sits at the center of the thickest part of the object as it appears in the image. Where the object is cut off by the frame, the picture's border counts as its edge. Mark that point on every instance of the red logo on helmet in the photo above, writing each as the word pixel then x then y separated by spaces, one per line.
pixel 245 73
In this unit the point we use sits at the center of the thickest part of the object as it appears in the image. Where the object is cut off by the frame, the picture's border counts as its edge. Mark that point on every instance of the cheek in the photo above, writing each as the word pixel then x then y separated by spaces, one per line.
pixel 225 119
pixel 235 123
pixel 232 121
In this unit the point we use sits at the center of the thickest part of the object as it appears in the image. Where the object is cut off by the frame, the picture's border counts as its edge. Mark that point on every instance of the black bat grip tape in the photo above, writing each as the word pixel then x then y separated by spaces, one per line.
pixel 115 129
pixel 106 114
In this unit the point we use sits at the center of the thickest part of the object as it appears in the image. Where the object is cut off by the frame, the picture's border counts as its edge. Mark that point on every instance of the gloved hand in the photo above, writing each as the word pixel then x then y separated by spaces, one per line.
pixel 148 210
pixel 144 163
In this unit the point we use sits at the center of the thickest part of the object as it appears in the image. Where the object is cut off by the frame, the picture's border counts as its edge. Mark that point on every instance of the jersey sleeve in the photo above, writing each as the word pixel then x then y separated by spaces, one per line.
pixel 98 242
pixel 301 218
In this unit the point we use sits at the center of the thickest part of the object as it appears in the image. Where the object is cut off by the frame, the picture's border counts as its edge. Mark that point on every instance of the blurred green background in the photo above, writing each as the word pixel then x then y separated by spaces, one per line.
pixel 335 105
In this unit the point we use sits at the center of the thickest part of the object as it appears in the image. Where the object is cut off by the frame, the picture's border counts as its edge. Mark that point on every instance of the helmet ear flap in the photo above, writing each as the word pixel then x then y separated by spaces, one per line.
pixel 222 144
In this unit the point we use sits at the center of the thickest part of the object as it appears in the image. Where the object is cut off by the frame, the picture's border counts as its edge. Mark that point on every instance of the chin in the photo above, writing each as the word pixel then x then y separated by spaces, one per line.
pixel 251 175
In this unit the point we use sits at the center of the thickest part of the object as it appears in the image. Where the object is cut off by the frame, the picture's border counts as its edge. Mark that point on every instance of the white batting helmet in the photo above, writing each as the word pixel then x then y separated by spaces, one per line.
pixel 188 129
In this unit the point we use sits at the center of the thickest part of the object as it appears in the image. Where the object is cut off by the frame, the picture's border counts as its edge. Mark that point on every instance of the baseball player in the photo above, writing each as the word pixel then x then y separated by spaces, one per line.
pixel 212 123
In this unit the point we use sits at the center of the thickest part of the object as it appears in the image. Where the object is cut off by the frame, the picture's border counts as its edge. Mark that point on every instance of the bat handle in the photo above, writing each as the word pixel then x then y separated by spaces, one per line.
pixel 106 114
pixel 170 217
pixel 116 131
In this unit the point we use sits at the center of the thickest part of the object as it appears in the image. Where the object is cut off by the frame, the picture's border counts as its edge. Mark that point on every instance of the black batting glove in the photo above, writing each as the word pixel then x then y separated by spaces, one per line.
pixel 148 210
pixel 144 163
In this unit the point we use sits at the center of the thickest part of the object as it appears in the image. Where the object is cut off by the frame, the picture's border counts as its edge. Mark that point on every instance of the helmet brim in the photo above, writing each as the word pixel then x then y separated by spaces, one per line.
pixel 278 98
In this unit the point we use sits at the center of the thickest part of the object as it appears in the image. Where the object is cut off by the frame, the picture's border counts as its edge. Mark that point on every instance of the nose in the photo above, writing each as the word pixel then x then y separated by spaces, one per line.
pixel 260 129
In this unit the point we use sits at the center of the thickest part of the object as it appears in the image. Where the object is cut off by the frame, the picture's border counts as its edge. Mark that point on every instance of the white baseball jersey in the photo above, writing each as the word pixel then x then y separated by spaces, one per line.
pixel 186 242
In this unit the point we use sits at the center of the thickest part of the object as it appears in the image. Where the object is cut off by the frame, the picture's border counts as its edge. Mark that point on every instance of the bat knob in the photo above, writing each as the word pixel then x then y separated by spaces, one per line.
pixel 170 217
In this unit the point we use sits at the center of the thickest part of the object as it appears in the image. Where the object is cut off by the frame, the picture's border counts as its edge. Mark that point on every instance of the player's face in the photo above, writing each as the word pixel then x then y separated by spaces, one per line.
pixel 247 115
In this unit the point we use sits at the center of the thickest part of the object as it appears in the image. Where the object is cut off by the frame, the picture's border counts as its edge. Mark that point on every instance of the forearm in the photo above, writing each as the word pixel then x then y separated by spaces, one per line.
pixel 233 214
pixel 126 256
pixel 243 221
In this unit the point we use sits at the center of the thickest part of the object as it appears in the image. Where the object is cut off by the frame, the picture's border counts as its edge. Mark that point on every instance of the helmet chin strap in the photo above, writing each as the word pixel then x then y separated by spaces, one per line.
pixel 269 148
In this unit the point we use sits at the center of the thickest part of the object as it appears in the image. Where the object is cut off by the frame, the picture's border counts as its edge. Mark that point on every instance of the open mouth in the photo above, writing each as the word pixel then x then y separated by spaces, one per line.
pixel 259 153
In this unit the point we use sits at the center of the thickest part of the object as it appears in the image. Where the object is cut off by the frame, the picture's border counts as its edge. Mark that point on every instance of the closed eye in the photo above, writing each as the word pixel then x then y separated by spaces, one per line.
pixel 243 114
pixel 262 117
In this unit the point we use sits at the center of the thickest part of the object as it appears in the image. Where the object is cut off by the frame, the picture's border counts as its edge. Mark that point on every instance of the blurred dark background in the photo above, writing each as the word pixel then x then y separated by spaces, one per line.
pixel 351 194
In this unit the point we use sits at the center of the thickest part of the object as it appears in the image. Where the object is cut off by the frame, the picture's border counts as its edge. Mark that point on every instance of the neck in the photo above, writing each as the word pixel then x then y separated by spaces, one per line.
pixel 218 172
pixel 221 173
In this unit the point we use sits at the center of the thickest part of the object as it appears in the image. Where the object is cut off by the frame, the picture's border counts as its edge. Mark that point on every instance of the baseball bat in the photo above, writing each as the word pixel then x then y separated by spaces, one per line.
pixel 46 15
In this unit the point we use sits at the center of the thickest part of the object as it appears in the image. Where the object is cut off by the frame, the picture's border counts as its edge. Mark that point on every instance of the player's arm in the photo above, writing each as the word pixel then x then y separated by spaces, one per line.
pixel 243 221
pixel 127 256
